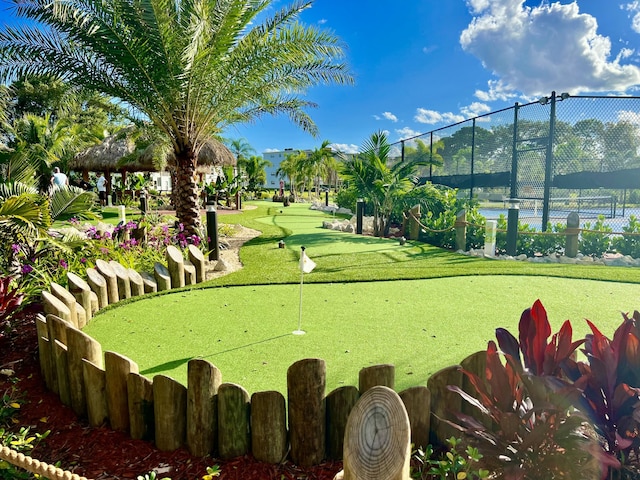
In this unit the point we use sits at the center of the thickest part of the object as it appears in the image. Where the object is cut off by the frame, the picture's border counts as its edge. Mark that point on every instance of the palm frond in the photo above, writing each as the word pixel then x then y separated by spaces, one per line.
pixel 22 216
pixel 68 202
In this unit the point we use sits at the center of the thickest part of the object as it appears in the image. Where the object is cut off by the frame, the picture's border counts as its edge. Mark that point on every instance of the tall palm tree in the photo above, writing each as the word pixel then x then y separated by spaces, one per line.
pixel 379 182
pixel 253 169
pixel 240 148
pixel 318 163
pixel 192 68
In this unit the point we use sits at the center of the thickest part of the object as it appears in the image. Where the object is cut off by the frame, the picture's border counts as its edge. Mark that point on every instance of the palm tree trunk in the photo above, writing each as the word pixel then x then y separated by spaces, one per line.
pixel 186 197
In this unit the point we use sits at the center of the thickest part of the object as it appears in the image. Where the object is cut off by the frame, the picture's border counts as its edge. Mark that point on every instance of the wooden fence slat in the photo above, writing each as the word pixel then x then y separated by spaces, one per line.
pixel 57 331
pixel 170 413
pixel 122 279
pixel 45 355
pixel 417 401
pixel 197 259
pixel 377 375
pixel 175 265
pixel 141 416
pixel 233 421
pixel 98 285
pixel 269 426
pixel 95 392
pixel 81 346
pixel 340 402
pixel 189 273
pixel 149 282
pixel 52 305
pixel 109 275
pixel 306 383
pixel 162 277
pixel 69 300
pixel 62 371
pixel 443 401
pixel 137 284
pixel 117 369
pixel 203 381
pixel 81 291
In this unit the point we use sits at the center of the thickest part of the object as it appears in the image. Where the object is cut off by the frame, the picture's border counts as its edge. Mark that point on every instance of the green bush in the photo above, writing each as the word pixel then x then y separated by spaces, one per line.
pixel 629 242
pixel 598 241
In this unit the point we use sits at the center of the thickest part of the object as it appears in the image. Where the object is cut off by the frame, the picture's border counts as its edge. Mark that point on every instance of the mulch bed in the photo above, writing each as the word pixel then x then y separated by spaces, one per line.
pixel 101 453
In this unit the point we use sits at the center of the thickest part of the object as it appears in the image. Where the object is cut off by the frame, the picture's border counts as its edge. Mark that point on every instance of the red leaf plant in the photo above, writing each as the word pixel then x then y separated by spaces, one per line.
pixel 10 299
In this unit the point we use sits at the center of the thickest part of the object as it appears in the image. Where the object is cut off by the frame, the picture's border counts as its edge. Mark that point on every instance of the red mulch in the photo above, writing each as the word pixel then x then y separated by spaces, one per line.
pixel 100 453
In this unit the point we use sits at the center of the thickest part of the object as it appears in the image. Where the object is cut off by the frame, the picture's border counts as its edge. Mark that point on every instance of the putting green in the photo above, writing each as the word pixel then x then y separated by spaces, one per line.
pixel 419 326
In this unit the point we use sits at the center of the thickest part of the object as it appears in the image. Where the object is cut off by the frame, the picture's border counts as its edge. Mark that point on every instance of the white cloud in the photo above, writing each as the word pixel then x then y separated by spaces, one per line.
pixel 390 116
pixel 407 132
pixel 431 116
pixel 377 117
pixel 629 116
pixel 497 91
pixel 322 21
pixel 475 109
pixel 539 49
pixel 429 49
pixel 634 9
pixel 345 147
pixel 271 150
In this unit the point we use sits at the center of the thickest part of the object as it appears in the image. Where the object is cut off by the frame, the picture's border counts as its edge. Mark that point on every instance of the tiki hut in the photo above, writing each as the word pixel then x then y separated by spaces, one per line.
pixel 121 153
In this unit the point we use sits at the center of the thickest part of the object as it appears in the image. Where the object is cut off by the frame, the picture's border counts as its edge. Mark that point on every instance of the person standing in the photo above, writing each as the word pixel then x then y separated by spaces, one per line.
pixel 101 183
pixel 59 179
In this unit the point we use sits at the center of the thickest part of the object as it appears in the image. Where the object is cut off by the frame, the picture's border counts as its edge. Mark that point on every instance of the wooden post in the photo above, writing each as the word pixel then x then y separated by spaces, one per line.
pixel 81 292
pixel 443 400
pixel 52 305
pixel 175 265
pixel 68 299
pixel 189 273
pixel 573 231
pixel 197 259
pixel 57 331
pixel 45 355
pixel 141 417
pixel 149 282
pixel 109 275
pixel 306 382
pixel 377 441
pixel 417 401
pixel 95 391
pixel 62 371
pixel 170 413
pixel 137 284
pixel 340 402
pixel 269 426
pixel 377 375
pixel 81 346
pixel 414 224
pixel 98 285
pixel 461 230
pixel 233 421
pixel 203 382
pixel 122 279
pixel 117 369
pixel 161 274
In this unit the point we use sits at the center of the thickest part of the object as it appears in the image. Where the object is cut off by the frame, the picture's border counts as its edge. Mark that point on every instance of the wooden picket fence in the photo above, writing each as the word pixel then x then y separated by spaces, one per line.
pixel 207 416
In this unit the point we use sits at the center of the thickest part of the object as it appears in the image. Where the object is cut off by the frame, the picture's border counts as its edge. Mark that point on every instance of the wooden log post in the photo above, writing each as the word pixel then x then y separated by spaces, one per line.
pixel 109 275
pixel 95 390
pixel 572 232
pixel 376 375
pixel 233 421
pixel 189 273
pixel 149 282
pixel 196 257
pixel 81 291
pixel 170 413
pixel 414 223
pixel 81 346
pixel 57 331
pixel 45 357
pixel 442 401
pixel 460 226
pixel 82 316
pixel 52 305
pixel 141 417
pixel 161 275
pixel 306 383
pixel 117 369
pixel 98 285
pixel 62 372
pixel 95 304
pixel 417 402
pixel 122 279
pixel 175 265
pixel 269 427
pixel 377 442
pixel 68 299
pixel 340 402
pixel 203 382
pixel 137 284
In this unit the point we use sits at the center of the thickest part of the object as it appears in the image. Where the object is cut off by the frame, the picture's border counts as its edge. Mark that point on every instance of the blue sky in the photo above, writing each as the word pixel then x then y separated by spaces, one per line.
pixel 423 64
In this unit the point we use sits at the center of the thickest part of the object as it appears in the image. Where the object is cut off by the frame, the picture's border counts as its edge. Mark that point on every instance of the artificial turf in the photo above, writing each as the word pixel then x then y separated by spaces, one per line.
pixel 443 306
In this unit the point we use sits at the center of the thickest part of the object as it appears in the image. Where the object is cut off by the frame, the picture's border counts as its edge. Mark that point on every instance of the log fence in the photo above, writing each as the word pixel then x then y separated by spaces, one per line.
pixel 208 416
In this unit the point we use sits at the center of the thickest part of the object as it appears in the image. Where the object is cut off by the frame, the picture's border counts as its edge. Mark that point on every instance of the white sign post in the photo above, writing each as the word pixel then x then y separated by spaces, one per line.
pixel 490 238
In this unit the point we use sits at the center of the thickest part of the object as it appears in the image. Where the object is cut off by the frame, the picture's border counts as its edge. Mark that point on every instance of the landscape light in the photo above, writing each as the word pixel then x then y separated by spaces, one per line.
pixel 543 100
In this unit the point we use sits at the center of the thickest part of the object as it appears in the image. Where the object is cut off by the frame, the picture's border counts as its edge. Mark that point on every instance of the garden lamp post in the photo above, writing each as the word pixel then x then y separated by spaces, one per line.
pixel 212 232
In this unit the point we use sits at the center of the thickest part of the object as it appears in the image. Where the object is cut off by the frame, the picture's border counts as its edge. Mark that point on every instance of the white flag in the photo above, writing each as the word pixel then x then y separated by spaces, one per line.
pixel 306 264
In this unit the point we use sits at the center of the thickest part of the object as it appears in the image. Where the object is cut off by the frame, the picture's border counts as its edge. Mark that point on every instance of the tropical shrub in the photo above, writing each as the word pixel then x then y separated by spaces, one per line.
pixel 10 299
pixel 629 242
pixel 596 241
pixel 451 465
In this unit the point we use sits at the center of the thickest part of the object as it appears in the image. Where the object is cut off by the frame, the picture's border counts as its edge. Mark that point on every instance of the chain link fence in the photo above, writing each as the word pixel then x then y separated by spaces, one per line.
pixel 558 155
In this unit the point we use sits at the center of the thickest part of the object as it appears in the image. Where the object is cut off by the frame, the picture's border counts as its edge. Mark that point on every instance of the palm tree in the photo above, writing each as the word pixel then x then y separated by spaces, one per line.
pixel 192 68
pixel 240 148
pixel 290 168
pixel 317 163
pixel 254 171
pixel 378 182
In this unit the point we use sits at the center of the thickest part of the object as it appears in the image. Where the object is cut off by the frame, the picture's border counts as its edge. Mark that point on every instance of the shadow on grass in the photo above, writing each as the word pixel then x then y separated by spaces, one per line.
pixel 163 367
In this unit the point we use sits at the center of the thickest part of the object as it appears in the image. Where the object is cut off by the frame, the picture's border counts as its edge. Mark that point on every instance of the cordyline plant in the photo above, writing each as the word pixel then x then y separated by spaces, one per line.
pixel 10 299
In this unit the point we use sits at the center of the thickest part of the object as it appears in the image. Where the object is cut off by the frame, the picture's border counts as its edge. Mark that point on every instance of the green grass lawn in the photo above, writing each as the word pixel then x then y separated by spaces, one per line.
pixel 444 306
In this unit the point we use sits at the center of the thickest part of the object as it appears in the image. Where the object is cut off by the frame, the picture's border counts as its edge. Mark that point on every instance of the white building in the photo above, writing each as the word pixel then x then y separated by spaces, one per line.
pixel 273 180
